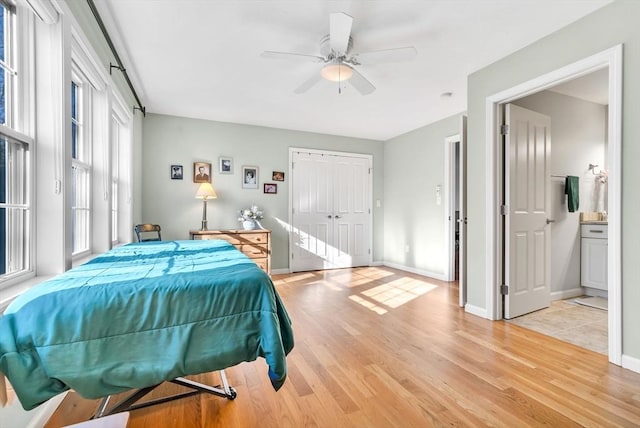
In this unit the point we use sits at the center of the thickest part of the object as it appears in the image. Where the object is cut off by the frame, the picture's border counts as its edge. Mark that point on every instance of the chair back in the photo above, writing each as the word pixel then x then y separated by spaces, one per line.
pixel 147 232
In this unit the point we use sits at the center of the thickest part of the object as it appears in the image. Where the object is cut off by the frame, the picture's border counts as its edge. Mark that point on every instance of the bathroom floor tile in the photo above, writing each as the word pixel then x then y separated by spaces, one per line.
pixel 570 322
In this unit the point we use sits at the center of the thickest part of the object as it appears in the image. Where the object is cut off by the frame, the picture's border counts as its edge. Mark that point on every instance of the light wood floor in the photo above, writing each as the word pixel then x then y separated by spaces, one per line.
pixel 376 347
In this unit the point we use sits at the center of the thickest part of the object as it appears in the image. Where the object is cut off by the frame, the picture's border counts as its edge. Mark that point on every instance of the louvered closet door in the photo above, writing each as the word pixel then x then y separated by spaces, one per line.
pixel 331 211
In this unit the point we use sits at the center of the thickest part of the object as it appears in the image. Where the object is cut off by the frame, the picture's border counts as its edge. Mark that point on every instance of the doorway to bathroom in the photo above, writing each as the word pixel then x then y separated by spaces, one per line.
pixel 585 148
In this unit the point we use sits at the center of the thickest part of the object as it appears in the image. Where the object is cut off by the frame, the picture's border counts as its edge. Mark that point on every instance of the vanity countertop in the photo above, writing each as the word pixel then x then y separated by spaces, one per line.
pixel 604 222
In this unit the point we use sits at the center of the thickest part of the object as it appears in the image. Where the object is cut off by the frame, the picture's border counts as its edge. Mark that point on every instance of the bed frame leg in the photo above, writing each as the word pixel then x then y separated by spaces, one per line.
pixel 127 404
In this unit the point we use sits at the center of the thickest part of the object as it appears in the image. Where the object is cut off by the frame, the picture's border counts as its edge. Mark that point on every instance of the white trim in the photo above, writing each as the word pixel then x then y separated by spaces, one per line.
pixel 377 264
pixel 631 363
pixel 421 272
pixel 611 58
pixel 567 294
pixel 280 271
pixel 474 310
pixel 44 10
pixel 86 64
pixel 450 201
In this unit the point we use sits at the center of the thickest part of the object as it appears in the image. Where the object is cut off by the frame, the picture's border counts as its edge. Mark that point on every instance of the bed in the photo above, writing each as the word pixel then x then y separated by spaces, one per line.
pixel 142 314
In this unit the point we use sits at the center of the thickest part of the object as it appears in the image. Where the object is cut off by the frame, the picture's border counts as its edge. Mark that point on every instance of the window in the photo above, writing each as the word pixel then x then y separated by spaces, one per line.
pixel 115 144
pixel 80 170
pixel 14 205
pixel 7 69
pixel 15 160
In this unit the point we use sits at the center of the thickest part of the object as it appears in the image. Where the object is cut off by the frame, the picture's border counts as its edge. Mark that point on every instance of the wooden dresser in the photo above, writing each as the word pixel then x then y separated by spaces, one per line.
pixel 256 244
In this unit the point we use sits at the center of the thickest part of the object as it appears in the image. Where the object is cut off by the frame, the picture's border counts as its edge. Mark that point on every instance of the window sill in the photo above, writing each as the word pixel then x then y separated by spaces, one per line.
pixel 7 295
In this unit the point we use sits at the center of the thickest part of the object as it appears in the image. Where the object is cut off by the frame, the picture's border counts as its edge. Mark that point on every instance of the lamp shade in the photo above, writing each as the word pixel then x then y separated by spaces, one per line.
pixel 205 191
pixel 336 72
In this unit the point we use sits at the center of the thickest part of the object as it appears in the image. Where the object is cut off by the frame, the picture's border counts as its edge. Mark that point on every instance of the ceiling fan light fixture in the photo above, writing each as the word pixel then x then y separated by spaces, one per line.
pixel 336 72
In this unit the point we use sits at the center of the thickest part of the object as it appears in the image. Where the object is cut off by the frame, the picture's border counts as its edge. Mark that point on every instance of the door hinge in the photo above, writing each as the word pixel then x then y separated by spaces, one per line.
pixel 504 209
pixel 369 250
pixel 504 129
pixel 291 256
pixel 504 289
pixel 369 210
pixel 293 164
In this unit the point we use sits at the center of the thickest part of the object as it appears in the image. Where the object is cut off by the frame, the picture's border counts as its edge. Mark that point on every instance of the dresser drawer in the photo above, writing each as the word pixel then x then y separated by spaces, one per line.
pixel 254 251
pixel 255 244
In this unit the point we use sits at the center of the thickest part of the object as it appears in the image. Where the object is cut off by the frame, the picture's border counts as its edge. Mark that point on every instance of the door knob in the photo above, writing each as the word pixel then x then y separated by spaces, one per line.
pixel 550 221
pixel 338 216
pixel 328 216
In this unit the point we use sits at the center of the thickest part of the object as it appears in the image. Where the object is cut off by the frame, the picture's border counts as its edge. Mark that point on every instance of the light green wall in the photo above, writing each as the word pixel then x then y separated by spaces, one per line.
pixel 413 167
pixel 612 25
pixel 175 140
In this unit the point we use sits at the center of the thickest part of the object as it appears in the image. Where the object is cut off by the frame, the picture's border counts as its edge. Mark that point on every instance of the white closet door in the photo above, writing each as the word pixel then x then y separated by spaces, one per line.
pixel 312 193
pixel 351 212
pixel 331 211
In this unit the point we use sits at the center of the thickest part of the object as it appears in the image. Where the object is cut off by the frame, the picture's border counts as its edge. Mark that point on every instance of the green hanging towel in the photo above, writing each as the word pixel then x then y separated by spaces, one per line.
pixel 572 190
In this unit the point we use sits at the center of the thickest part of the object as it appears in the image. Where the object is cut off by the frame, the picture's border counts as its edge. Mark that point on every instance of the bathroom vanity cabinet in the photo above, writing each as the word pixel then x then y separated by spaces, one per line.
pixel 593 257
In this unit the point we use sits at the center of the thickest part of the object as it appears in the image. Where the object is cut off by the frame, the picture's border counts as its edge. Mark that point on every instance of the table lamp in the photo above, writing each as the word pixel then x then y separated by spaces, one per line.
pixel 205 192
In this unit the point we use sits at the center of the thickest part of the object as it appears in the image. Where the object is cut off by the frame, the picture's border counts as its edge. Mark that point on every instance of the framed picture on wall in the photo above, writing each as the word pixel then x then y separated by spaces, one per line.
pixel 270 188
pixel 201 172
pixel 225 165
pixel 176 172
pixel 277 176
pixel 249 177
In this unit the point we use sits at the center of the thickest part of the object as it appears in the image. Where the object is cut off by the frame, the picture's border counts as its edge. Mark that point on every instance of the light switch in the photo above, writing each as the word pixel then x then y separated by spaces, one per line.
pixel 377 203
pixel 438 194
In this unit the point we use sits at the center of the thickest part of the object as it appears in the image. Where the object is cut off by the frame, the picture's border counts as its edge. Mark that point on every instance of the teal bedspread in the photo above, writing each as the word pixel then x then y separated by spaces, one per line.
pixel 141 314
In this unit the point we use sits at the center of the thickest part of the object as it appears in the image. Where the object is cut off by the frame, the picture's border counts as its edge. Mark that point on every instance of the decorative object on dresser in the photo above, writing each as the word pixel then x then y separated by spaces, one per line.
pixel 249 218
pixel 205 192
pixel 255 244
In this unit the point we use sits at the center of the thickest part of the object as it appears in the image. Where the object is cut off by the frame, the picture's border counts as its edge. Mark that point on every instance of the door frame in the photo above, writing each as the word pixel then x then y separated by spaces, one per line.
pixel 289 227
pixel 450 201
pixel 611 58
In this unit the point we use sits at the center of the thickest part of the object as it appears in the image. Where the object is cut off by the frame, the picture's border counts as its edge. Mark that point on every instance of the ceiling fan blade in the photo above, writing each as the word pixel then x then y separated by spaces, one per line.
pixel 291 56
pixel 361 84
pixel 339 32
pixel 308 84
pixel 386 55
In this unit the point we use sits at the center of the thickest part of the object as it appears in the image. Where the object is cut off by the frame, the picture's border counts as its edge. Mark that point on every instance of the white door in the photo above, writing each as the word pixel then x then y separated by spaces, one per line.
pixel 330 211
pixel 462 218
pixel 527 233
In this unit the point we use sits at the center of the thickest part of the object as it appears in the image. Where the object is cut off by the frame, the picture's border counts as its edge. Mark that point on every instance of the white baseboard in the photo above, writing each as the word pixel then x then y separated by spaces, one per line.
pixel 566 294
pixel 631 363
pixel 280 271
pixel 43 413
pixel 475 310
pixel 377 264
pixel 421 272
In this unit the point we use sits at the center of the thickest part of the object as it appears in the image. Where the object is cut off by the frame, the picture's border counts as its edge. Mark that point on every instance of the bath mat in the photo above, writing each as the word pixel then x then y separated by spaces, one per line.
pixel 594 302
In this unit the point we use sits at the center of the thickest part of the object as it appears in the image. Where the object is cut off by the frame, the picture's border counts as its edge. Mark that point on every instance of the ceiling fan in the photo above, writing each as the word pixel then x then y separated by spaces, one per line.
pixel 338 61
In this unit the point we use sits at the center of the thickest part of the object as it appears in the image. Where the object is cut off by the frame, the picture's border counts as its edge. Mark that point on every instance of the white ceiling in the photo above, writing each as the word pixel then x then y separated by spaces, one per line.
pixel 201 59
